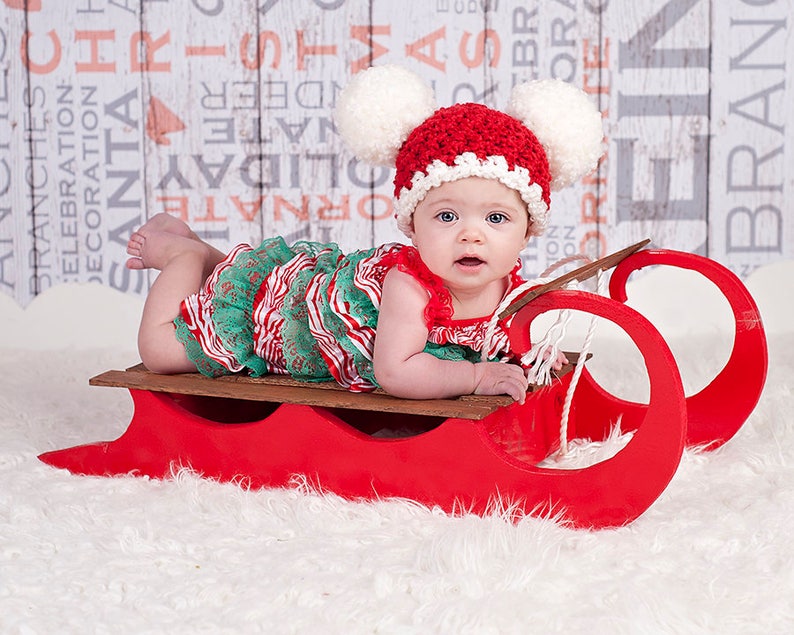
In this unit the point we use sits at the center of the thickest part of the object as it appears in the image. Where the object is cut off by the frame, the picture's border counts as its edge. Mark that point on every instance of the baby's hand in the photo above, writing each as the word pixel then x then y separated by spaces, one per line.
pixel 559 362
pixel 496 378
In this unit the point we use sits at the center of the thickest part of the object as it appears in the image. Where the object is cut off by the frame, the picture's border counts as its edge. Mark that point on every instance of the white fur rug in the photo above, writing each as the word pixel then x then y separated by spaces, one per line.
pixel 127 555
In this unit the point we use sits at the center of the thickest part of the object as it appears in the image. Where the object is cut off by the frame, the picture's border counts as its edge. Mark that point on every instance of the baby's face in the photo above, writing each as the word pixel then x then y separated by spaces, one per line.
pixel 470 232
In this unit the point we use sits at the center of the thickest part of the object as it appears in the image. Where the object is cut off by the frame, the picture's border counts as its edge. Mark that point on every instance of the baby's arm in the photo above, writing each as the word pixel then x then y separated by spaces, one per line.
pixel 404 370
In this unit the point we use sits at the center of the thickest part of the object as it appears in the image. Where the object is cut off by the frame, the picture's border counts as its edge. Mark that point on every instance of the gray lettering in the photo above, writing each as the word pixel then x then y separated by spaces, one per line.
pixel 661 207
pixel 639 51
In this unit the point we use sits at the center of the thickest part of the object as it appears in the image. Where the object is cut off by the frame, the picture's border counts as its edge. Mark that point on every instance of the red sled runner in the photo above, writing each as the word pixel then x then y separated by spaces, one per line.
pixel 462 454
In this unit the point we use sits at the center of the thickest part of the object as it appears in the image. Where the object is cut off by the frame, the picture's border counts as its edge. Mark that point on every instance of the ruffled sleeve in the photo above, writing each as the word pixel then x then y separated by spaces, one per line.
pixel 439 305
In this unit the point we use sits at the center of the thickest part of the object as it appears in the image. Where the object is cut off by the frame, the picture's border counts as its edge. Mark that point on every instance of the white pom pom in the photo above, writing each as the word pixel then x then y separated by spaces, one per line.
pixel 379 108
pixel 566 122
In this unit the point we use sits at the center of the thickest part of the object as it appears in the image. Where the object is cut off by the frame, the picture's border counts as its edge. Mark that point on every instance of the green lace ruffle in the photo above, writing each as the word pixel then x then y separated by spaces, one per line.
pixel 233 301
pixel 303 357
pixel 205 365
pixel 452 352
pixel 360 308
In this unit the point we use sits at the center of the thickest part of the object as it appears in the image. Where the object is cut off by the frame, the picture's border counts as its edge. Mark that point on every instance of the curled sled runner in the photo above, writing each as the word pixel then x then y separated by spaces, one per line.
pixel 457 454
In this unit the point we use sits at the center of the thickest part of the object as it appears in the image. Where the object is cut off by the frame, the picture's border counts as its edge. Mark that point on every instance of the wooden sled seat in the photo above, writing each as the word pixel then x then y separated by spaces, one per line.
pixel 284 389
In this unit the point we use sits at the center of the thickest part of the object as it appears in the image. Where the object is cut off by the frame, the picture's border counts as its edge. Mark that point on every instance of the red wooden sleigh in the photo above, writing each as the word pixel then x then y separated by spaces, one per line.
pixel 459 454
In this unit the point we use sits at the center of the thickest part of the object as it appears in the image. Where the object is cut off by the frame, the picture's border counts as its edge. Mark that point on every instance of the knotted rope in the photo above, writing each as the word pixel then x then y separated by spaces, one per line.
pixel 541 357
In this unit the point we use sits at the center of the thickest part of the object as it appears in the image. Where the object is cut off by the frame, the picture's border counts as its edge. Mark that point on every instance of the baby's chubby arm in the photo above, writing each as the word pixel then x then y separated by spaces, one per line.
pixel 402 368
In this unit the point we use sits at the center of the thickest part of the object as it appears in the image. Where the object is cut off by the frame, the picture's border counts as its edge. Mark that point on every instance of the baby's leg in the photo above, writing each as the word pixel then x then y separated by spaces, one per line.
pixel 184 262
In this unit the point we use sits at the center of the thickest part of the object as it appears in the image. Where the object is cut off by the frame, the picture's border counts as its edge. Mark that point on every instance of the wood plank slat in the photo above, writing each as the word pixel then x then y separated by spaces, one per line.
pixel 281 389
pixel 84 147
pixel 18 121
pixel 286 390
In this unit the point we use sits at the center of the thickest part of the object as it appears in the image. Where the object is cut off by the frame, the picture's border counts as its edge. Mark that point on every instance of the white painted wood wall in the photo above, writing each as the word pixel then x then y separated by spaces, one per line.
pixel 219 111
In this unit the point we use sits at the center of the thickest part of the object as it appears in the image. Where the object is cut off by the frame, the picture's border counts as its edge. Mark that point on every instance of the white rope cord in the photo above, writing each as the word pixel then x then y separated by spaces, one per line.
pixel 540 358
pixel 577 372
pixel 508 300
pixel 548 348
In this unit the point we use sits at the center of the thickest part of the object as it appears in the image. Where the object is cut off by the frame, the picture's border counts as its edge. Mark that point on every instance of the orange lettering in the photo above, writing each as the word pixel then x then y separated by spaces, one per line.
pixel 586 244
pixel 24 5
pixel 161 121
pixel 590 206
pixel 304 50
pixel 479 48
pixel 179 205
pixel 415 49
pixel 302 213
pixel 324 212
pixel 591 90
pixel 594 179
pixel 366 206
pixel 205 51
pixel 592 55
pixel 262 41
pixel 365 34
pixel 45 67
pixel 95 66
pixel 248 209
pixel 210 217
pixel 150 46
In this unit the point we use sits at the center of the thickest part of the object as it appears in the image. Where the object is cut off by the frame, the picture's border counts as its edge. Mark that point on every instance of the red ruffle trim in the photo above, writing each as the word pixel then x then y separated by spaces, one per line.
pixel 407 260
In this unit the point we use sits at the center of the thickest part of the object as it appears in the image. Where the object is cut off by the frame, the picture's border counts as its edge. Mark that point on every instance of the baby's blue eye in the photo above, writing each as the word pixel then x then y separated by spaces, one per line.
pixel 446 216
pixel 496 218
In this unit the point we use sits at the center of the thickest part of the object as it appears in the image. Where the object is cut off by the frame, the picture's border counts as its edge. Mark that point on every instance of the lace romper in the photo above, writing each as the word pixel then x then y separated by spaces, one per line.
pixel 311 311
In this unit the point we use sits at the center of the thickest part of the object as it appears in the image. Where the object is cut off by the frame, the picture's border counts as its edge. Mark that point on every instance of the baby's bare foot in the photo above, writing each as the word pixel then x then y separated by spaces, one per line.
pixel 164 222
pixel 161 223
pixel 155 249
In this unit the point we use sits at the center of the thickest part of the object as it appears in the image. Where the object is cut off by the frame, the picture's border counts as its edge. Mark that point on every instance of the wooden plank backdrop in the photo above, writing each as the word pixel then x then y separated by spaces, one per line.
pixel 220 112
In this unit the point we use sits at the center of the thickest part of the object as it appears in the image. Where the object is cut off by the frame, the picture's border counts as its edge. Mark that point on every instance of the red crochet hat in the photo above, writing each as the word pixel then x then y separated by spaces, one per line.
pixel 471 140
pixel 388 116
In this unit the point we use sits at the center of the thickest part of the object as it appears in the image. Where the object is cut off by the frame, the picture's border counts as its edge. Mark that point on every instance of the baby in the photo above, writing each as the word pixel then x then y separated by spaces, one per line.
pixel 472 186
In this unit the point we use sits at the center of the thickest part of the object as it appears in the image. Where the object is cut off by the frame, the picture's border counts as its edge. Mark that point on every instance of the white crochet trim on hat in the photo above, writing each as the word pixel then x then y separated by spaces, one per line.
pixel 467 164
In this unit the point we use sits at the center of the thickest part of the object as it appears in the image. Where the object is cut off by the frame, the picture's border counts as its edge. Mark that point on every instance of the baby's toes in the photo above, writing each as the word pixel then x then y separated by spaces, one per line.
pixel 135 245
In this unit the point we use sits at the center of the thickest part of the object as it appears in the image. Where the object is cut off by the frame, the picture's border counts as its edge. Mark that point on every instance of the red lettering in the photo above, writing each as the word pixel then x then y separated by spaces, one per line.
pixel 94 65
pixel 248 209
pixel 210 217
pixel 325 212
pixel 415 49
pixel 262 40
pixel 150 47
pixel 301 212
pixel 44 67
pixel 305 50
pixel 365 34
pixel 176 204
pixel 483 37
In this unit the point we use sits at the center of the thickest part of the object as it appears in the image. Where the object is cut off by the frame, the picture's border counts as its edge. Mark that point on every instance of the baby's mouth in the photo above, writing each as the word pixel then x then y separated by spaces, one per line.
pixel 469 261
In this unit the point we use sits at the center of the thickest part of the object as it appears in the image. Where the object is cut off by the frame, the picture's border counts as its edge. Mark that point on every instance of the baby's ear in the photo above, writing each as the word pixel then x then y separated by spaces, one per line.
pixel 530 233
pixel 412 235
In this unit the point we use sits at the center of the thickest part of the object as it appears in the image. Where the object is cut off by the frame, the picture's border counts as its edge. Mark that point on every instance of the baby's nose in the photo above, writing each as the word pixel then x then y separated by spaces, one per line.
pixel 471 232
